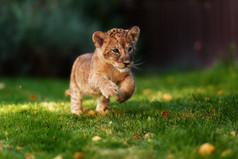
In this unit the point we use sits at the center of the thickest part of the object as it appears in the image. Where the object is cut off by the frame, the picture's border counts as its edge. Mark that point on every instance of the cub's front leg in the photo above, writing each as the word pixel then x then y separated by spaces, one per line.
pixel 127 87
pixel 102 84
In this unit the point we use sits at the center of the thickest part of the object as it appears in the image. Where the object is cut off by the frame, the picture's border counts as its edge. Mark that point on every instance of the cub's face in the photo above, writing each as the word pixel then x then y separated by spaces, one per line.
pixel 117 46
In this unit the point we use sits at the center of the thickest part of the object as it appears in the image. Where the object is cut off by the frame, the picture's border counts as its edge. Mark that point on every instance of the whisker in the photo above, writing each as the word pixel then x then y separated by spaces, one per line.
pixel 136 67
pixel 137 64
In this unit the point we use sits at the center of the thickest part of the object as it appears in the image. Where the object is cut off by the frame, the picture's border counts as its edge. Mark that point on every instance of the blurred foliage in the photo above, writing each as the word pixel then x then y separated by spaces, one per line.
pixel 47 33
pixel 227 58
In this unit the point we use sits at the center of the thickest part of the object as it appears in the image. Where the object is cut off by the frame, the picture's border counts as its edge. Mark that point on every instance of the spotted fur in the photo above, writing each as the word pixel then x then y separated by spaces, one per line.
pixel 100 73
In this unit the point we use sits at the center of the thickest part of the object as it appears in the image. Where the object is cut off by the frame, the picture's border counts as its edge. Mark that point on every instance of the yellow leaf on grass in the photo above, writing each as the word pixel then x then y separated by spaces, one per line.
pixel 67 92
pixel 110 122
pixel 206 149
pixel 58 157
pixel 233 133
pixel 96 138
pixel 91 112
pixel 170 155
pixel 28 156
pixel 159 93
pixel 167 97
pixel 220 92
pixel 19 148
pixel 148 135
pixel 226 153
pixel 199 90
pixel 78 155
pixel 147 91
pixel 125 143
pixel 1 147
pixel 207 99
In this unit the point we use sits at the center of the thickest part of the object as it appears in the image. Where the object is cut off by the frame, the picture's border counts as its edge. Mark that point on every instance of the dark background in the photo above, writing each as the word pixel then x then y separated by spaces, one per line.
pixel 43 37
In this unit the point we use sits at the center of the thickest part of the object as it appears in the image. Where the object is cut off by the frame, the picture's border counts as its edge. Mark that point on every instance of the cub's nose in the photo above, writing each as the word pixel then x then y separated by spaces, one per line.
pixel 127 62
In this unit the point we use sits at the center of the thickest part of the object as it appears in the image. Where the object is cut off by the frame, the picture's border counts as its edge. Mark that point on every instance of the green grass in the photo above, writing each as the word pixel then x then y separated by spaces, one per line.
pixel 202 108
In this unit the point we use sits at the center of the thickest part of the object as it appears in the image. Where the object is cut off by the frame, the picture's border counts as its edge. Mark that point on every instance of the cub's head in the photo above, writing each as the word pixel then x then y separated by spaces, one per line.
pixel 117 46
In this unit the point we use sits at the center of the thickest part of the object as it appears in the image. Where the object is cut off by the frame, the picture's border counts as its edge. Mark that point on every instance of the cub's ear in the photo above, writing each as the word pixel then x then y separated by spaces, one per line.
pixel 99 38
pixel 134 33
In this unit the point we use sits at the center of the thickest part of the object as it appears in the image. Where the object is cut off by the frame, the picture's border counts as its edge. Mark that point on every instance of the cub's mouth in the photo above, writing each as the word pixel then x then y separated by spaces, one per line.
pixel 123 67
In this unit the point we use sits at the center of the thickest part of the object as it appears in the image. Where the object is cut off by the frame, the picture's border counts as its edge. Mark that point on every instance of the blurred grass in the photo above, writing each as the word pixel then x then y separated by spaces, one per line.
pixel 181 109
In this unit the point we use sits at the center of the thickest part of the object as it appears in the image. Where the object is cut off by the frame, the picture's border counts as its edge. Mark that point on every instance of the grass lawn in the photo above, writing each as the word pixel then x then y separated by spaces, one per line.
pixel 169 116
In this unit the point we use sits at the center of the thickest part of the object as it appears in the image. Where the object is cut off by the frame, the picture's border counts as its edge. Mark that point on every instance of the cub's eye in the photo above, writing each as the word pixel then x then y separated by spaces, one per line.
pixel 115 51
pixel 129 49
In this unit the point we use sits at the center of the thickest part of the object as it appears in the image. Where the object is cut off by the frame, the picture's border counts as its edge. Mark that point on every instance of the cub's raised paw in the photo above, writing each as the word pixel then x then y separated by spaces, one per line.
pixel 109 90
pixel 119 98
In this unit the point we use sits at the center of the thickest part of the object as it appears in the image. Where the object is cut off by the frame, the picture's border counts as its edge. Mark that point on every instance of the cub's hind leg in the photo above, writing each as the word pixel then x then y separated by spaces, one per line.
pixel 102 105
pixel 76 97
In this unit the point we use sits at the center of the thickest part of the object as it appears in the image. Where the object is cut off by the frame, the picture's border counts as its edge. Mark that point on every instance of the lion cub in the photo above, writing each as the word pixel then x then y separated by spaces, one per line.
pixel 99 73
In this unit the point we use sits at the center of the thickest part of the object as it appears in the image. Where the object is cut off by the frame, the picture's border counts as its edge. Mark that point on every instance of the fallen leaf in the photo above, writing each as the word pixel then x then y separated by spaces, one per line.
pixel 165 114
pixel 206 149
pixel 67 92
pixel 148 135
pixel 226 153
pixel 91 112
pixel 96 138
pixel 137 137
pixel 233 133
pixel 19 148
pixel 159 93
pixel 58 157
pixel 28 156
pixel 19 86
pixel 206 98
pixel 125 143
pixel 198 90
pixel 2 85
pixel 147 91
pixel 1 147
pixel 33 97
pixel 220 92
pixel 9 146
pixel 167 97
pixel 110 122
pixel 170 155
pixel 78 155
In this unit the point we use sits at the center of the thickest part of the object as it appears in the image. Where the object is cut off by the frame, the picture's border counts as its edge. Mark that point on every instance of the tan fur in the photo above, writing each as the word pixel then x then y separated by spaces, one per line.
pixel 99 73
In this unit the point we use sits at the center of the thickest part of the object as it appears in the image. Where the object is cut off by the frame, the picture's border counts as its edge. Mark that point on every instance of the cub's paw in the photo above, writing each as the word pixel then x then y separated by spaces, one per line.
pixel 109 89
pixel 103 112
pixel 77 112
pixel 122 97
pixel 119 99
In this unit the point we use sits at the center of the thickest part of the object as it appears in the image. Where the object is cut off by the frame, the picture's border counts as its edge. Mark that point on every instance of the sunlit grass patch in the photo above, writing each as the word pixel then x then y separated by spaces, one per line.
pixel 169 116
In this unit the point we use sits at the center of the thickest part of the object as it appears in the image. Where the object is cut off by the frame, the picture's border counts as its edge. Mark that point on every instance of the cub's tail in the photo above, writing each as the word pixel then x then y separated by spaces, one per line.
pixel 67 92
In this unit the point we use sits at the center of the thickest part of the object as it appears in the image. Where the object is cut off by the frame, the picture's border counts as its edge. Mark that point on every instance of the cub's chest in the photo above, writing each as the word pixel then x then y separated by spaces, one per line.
pixel 117 77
